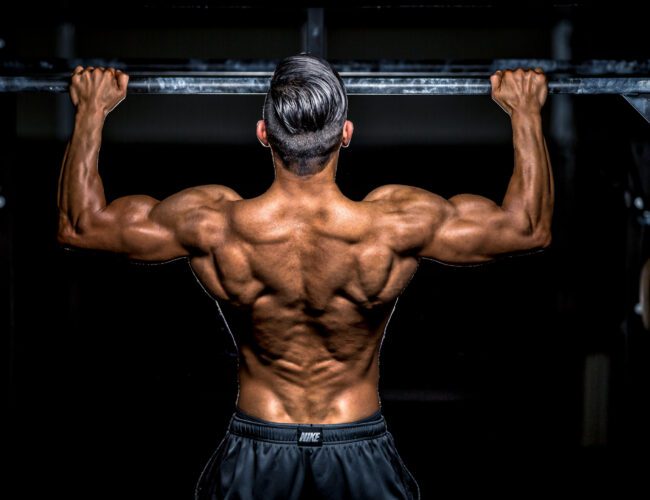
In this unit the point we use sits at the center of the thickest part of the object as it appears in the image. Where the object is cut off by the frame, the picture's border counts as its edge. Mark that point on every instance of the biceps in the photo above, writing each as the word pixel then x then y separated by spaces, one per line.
pixel 125 226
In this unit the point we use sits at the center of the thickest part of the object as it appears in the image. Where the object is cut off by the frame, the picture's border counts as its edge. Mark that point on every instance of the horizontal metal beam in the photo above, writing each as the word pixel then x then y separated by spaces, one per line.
pixel 483 67
pixel 356 83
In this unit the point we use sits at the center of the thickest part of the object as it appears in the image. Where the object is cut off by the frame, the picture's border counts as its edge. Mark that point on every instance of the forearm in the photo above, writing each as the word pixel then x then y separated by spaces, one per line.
pixel 530 192
pixel 81 191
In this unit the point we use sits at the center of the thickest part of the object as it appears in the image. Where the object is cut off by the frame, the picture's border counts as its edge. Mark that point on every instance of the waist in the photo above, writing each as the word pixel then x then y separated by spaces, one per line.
pixel 330 401
pixel 243 424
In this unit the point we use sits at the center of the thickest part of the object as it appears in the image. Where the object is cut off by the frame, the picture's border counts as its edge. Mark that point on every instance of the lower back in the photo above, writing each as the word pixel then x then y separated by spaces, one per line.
pixel 314 388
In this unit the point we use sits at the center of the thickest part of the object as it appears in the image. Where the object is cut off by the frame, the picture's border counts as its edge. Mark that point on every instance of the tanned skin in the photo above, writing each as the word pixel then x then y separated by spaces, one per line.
pixel 312 276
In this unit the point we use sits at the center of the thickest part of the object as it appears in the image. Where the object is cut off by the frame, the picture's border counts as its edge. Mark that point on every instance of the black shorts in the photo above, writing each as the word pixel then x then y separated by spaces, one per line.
pixel 258 459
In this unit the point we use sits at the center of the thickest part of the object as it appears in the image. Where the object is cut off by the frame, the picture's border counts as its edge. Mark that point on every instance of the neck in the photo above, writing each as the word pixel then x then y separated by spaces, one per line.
pixel 319 184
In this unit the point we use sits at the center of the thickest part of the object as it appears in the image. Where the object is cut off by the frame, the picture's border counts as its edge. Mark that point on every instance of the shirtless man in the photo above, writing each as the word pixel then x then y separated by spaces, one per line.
pixel 312 276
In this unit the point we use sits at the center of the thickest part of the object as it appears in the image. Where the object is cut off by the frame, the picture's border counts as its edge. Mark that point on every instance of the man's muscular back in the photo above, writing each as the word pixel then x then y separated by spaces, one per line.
pixel 316 280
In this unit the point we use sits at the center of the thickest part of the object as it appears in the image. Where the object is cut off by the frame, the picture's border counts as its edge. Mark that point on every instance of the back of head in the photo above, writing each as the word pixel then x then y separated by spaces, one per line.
pixel 304 111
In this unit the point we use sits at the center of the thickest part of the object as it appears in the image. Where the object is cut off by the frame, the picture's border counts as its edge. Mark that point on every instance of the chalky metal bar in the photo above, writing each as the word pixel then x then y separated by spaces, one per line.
pixel 355 83
pixel 635 89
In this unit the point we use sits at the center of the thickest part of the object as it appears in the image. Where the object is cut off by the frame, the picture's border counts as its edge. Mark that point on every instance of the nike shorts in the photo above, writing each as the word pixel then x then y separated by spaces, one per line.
pixel 261 460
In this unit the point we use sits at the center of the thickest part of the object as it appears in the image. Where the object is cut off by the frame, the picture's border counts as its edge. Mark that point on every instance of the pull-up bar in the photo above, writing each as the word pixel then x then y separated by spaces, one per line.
pixel 355 83
pixel 628 79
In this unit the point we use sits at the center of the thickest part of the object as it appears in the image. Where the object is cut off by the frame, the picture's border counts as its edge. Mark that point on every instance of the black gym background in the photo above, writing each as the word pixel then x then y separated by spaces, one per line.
pixel 120 376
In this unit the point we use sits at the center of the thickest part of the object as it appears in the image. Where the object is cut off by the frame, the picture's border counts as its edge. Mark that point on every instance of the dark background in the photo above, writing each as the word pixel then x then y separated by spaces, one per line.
pixel 524 374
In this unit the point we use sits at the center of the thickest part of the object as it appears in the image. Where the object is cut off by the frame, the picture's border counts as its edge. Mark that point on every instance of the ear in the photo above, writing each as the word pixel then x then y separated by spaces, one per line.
pixel 348 130
pixel 261 133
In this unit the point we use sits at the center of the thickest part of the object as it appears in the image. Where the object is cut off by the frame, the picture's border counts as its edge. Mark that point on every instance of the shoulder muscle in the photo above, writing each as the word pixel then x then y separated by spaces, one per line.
pixel 409 215
pixel 195 214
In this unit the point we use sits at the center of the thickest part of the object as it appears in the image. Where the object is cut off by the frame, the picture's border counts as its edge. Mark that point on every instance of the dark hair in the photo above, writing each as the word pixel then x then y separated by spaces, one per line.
pixel 304 112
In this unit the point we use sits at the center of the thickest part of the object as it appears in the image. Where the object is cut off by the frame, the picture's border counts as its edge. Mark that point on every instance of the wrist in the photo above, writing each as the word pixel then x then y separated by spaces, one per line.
pixel 89 112
pixel 526 114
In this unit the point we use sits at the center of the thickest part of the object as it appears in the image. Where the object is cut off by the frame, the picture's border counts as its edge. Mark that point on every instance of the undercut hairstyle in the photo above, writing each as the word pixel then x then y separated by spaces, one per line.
pixel 304 111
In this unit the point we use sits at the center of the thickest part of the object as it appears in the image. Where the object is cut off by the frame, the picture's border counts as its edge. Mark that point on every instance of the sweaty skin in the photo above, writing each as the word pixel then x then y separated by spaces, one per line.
pixel 310 277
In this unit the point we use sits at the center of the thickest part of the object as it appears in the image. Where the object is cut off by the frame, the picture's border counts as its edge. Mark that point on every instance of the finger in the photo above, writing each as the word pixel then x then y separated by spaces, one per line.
pixel 539 70
pixel 122 80
pixel 78 70
pixel 496 77
pixel 506 74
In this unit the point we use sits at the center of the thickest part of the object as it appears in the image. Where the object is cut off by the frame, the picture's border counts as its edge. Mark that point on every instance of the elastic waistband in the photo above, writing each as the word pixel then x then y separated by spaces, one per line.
pixel 245 425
